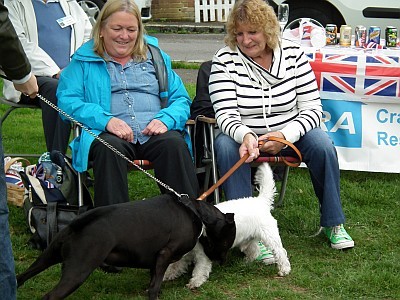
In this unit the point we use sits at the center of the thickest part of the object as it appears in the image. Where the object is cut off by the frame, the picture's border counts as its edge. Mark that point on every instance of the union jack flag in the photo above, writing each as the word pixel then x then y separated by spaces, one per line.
pixel 357 72
pixel 14 179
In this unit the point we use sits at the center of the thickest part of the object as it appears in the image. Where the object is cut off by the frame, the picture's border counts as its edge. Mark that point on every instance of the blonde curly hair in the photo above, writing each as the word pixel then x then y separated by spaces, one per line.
pixel 259 15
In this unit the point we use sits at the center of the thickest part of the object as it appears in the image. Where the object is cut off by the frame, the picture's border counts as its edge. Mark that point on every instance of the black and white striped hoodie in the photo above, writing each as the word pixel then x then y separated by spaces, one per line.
pixel 248 98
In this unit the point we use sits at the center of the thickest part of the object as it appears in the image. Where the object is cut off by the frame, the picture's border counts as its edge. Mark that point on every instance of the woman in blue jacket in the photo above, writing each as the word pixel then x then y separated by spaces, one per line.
pixel 113 87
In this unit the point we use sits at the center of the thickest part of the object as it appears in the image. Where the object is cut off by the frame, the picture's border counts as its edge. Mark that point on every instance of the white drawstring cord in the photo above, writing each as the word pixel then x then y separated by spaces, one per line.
pixel 263 102
pixel 269 100
pixel 256 72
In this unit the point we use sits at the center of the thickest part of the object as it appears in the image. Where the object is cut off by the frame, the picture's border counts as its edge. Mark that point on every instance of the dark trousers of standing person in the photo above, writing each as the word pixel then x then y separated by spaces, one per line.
pixel 56 131
pixel 8 282
pixel 168 153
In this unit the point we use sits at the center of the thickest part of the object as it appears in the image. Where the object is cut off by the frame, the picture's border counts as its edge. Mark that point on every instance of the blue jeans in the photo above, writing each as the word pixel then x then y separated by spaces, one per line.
pixel 8 284
pixel 319 154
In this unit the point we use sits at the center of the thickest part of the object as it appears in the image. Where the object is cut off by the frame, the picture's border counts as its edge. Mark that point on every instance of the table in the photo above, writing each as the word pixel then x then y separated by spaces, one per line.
pixel 360 92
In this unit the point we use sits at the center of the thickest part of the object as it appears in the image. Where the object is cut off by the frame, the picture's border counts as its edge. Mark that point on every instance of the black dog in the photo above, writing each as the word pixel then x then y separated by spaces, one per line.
pixel 147 234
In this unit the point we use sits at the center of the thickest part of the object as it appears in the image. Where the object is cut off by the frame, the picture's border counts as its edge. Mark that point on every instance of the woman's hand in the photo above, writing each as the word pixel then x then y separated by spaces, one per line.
pixel 155 127
pixel 249 146
pixel 271 147
pixel 120 129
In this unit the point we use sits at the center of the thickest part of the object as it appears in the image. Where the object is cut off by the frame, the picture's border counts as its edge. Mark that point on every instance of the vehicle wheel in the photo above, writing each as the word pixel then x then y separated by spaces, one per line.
pixel 91 8
pixel 320 16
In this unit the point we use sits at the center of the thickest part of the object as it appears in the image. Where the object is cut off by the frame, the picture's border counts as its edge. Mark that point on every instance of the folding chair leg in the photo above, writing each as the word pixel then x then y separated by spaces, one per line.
pixel 283 186
pixel 76 132
pixel 207 174
pixel 214 167
pixel 80 189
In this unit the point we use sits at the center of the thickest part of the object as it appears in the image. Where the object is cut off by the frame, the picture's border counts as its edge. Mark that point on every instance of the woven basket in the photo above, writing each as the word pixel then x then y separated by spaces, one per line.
pixel 15 193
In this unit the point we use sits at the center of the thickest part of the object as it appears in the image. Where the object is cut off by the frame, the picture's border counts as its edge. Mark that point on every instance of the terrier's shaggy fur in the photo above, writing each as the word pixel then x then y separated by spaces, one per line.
pixel 254 223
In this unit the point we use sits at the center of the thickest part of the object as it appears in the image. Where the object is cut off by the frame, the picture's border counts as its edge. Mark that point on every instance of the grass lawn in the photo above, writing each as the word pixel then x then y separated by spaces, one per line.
pixel 371 202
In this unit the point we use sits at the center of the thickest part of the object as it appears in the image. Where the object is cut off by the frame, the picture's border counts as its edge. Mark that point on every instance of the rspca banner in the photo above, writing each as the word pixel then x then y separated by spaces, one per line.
pixel 360 92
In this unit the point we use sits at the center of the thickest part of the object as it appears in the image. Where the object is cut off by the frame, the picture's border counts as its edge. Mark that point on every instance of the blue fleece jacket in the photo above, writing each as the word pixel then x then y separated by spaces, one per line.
pixel 84 92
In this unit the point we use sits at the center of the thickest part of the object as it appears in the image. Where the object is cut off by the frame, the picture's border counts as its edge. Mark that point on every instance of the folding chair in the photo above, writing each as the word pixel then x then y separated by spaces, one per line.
pixel 209 129
pixel 13 106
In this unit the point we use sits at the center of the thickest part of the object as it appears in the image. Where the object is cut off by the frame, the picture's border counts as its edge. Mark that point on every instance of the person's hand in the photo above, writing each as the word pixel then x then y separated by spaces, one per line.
pixel 249 146
pixel 271 147
pixel 120 129
pixel 57 76
pixel 29 88
pixel 155 127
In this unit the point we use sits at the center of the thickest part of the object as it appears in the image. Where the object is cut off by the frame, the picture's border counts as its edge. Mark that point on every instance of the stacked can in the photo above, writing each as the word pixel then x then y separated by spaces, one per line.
pixel 374 35
pixel 391 36
pixel 360 36
pixel 331 34
pixel 345 36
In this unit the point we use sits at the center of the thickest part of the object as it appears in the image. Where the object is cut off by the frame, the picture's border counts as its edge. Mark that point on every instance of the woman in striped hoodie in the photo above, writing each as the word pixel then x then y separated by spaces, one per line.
pixel 260 86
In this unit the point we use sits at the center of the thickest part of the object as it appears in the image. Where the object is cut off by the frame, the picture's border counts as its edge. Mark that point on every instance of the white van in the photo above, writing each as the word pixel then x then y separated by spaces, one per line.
pixel 380 13
pixel 92 8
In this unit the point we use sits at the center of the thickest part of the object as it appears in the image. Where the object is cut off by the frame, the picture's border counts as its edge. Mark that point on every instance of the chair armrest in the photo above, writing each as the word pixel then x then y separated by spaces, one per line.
pixel 190 122
pixel 207 120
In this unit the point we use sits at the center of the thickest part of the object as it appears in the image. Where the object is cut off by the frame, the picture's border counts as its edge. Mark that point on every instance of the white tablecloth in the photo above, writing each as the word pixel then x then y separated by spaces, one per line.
pixel 360 92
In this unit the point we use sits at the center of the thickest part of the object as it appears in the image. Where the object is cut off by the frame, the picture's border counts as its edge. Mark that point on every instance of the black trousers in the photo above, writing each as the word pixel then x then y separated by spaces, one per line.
pixel 56 131
pixel 168 152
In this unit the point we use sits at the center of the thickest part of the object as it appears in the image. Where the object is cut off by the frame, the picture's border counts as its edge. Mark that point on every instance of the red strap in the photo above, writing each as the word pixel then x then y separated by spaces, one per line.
pixel 289 144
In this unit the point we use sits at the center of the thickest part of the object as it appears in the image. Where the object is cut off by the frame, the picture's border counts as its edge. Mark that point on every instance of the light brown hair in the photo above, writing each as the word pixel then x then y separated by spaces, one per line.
pixel 259 15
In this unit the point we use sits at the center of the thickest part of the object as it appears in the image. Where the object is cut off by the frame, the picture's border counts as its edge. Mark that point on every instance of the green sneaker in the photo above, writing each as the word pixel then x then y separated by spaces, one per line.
pixel 338 237
pixel 266 255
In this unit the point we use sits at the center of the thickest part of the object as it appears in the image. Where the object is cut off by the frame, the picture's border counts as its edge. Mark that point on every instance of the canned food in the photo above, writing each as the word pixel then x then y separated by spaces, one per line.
pixel 331 34
pixel 374 34
pixel 391 36
pixel 360 36
pixel 345 36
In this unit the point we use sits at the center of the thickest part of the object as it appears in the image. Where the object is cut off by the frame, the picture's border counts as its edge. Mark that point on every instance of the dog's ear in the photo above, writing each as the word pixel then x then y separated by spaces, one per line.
pixel 209 214
pixel 230 218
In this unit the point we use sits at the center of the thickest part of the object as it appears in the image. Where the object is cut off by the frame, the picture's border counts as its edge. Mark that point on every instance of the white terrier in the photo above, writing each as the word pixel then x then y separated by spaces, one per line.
pixel 254 223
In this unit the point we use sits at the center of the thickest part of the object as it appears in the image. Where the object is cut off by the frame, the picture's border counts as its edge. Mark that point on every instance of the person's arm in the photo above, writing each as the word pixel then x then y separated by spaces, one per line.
pixel 87 32
pixel 13 60
pixel 29 88
pixel 76 100
pixel 25 27
pixel 82 29
pixel 222 90
pixel 308 102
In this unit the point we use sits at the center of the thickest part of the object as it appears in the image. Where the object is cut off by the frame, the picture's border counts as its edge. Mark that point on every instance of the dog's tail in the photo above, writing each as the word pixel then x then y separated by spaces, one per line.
pixel 264 179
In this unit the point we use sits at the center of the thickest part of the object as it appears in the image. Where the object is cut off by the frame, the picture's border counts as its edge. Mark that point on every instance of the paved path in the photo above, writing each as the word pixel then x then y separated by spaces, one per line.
pixel 190 47
pixel 187 75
